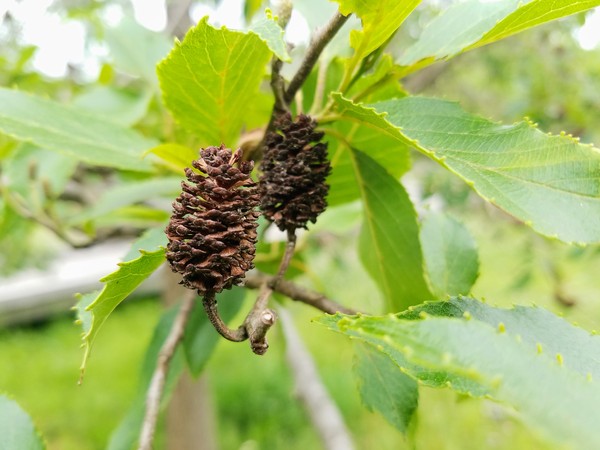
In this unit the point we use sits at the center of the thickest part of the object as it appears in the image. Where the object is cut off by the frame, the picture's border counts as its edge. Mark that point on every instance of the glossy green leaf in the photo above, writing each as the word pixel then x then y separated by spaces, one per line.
pixel 136 50
pixel 208 79
pixel 86 137
pixel 384 388
pixel 126 435
pixel 200 337
pixel 389 240
pixel 130 193
pixel 272 35
pixel 549 395
pixel 175 156
pixel 551 183
pixel 471 24
pixel 119 284
pixel 380 20
pixel 387 151
pixel 16 428
pixel 450 255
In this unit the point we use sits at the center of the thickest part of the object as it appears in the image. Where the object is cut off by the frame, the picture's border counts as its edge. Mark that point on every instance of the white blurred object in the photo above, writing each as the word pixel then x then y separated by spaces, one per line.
pixel 36 294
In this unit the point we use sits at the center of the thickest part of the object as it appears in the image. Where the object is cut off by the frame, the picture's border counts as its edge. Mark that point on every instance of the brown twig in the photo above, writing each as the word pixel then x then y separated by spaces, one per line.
pixel 159 377
pixel 322 410
pixel 255 326
pixel 313 52
pixel 210 306
pixel 298 293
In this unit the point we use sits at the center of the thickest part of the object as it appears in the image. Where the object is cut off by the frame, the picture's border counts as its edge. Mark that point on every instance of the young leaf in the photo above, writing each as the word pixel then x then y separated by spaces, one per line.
pixel 549 395
pixel 551 183
pixel 16 428
pixel 76 133
pixel 389 239
pixel 384 388
pixel 175 156
pixel 201 338
pixel 119 284
pixel 531 14
pixel 450 255
pixel 208 79
pixel 472 24
pixel 272 35
pixel 380 20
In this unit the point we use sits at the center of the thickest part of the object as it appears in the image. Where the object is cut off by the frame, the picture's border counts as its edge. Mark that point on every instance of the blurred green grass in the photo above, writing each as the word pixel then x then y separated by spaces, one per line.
pixel 255 402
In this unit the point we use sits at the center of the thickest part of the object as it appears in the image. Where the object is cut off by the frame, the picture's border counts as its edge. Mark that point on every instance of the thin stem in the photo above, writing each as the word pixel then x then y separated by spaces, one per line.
pixel 313 52
pixel 298 293
pixel 210 306
pixel 157 384
pixel 287 256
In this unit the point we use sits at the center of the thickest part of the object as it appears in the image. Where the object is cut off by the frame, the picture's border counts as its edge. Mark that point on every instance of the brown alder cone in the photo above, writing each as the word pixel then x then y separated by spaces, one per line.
pixel 294 168
pixel 212 231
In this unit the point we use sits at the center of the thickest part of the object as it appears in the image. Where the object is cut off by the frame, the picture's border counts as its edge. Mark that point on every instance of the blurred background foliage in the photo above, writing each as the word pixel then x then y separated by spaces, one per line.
pixel 543 74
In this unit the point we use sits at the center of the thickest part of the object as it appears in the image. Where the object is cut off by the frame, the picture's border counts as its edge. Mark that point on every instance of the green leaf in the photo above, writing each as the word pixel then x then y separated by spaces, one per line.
pixel 380 20
pixel 126 435
pixel 16 428
pixel 537 328
pixel 119 284
pixel 384 388
pixel 208 79
pixel 136 50
pixel 116 105
pixel 201 338
pixel 450 255
pixel 389 240
pixel 387 151
pixel 272 35
pixel 551 183
pixel 150 239
pixel 471 24
pixel 175 156
pixel 543 388
pixel 87 137
pixel 130 193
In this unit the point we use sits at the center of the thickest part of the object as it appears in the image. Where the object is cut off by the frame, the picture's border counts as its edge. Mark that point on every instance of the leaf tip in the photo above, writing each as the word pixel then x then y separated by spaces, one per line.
pixel 467 315
pixel 559 359
pixel 501 327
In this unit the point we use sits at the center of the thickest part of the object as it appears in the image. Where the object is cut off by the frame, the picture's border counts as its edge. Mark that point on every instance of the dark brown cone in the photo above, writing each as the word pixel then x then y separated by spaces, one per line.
pixel 212 231
pixel 294 168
